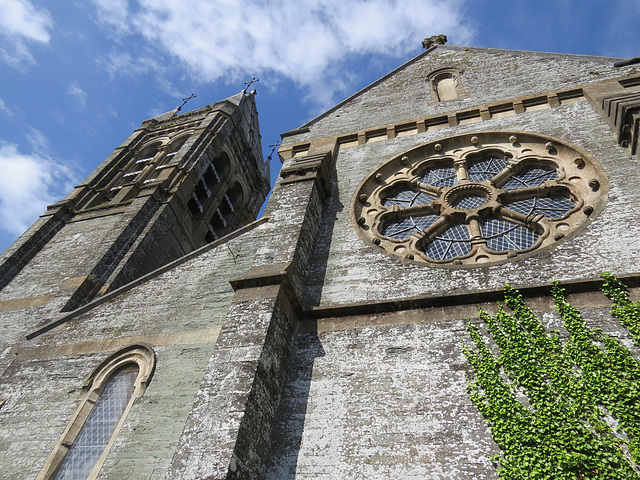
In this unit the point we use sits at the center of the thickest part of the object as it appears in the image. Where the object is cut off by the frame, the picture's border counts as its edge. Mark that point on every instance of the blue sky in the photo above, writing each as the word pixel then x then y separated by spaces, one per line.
pixel 76 77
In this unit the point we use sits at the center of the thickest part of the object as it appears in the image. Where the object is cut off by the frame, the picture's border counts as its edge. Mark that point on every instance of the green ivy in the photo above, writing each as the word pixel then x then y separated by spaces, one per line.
pixel 558 409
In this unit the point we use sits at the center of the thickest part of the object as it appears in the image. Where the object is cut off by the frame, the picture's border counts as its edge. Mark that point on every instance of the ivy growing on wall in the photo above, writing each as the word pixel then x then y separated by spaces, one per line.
pixel 559 407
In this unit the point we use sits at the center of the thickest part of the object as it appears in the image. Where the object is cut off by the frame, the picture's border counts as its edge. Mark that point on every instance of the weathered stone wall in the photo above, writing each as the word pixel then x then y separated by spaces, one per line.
pixel 390 401
pixel 381 403
pixel 346 270
pixel 383 396
pixel 71 253
pixel 178 313
pixel 227 434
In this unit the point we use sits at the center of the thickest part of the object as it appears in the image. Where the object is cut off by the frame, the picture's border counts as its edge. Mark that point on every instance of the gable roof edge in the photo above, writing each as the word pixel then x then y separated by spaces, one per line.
pixel 426 52
pixel 371 85
pixel 140 280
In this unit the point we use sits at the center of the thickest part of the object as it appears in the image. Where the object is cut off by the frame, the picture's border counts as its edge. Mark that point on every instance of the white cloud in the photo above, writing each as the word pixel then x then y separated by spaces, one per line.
pixel 113 13
pixel 21 23
pixel 29 182
pixel 4 109
pixel 38 141
pixel 20 17
pixel 77 93
pixel 310 42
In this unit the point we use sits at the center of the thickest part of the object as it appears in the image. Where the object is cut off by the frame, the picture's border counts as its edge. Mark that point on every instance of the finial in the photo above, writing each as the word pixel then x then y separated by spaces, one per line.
pixel 248 84
pixel 185 100
pixel 434 40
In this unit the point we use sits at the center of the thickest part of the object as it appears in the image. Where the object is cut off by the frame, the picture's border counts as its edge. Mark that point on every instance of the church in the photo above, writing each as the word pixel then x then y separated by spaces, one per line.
pixel 153 328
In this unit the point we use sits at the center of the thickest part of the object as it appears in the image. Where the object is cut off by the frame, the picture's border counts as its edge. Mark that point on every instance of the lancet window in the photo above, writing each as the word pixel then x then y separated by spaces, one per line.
pixel 109 394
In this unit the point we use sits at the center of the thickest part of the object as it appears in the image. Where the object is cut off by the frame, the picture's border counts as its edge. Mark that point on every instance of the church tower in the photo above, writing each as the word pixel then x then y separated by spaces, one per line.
pixel 178 182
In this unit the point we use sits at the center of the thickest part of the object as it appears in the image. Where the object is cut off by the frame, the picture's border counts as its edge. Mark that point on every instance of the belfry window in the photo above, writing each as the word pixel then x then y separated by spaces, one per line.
pixel 111 390
pixel 476 199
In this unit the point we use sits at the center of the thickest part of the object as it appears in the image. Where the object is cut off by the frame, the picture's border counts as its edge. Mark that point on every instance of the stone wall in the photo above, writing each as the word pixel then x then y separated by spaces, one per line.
pixel 488 75
pixel 178 313
pixel 347 270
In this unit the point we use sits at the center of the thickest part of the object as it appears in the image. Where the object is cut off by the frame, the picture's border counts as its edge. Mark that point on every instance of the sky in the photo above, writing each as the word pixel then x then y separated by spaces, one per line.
pixel 77 77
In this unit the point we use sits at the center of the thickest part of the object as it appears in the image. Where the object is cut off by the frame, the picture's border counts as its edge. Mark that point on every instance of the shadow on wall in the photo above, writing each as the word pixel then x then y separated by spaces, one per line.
pixel 286 436
pixel 319 261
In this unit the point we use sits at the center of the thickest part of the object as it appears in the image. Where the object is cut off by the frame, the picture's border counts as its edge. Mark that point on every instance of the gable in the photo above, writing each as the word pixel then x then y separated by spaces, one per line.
pixel 486 76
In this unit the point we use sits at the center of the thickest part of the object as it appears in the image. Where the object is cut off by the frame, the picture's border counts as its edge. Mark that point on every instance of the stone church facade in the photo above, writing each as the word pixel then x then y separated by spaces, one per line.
pixel 154 330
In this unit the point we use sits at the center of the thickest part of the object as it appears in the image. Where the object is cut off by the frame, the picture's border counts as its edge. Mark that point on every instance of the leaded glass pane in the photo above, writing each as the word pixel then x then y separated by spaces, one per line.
pixel 453 242
pixel 530 177
pixel 403 229
pixel 552 207
pixel 440 176
pixel 408 198
pixel 486 168
pixel 99 426
pixel 502 235
pixel 468 202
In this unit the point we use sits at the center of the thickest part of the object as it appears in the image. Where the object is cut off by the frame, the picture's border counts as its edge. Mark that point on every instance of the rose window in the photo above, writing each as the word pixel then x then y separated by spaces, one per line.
pixel 481 198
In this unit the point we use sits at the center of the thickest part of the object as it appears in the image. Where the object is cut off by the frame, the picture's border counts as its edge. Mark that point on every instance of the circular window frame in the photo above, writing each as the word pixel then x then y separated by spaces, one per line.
pixel 579 177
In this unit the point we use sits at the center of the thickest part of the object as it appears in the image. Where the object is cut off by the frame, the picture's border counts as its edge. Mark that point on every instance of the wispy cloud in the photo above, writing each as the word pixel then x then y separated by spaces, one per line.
pixel 38 141
pixel 306 41
pixel 20 24
pixel 29 182
pixel 4 109
pixel 77 93
pixel 114 14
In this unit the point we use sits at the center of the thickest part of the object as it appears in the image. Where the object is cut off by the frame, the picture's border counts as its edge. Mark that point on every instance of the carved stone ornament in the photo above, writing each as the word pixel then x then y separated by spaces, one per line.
pixel 434 40
pixel 478 199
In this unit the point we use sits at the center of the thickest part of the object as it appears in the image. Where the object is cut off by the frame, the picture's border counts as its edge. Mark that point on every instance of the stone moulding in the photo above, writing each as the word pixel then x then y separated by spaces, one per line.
pixel 623 114
pixel 310 167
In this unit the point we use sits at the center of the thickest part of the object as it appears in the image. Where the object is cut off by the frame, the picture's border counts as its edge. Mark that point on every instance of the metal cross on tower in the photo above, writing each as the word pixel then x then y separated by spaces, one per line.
pixel 185 100
pixel 273 148
pixel 248 84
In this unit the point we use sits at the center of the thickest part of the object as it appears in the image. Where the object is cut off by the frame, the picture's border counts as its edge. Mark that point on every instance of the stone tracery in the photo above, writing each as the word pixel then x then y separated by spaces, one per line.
pixel 487 198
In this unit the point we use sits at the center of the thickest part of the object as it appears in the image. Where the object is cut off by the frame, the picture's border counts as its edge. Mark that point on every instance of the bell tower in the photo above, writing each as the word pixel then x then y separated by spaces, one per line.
pixel 178 182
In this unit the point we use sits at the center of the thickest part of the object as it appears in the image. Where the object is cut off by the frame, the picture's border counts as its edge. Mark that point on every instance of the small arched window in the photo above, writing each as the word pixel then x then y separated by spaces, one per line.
pixel 109 393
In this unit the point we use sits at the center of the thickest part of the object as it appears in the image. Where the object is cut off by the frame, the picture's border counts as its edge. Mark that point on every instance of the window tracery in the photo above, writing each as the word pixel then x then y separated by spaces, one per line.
pixel 477 199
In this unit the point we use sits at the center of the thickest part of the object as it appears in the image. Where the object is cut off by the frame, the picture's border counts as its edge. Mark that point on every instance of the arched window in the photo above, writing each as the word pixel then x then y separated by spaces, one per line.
pixel 109 393
pixel 176 144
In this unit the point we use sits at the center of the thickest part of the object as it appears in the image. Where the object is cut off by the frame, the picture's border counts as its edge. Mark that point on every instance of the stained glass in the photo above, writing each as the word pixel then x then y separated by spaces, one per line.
pixel 530 177
pixel 403 229
pixel 99 426
pixel 440 176
pixel 408 198
pixel 502 235
pixel 453 242
pixel 486 168
pixel 552 207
